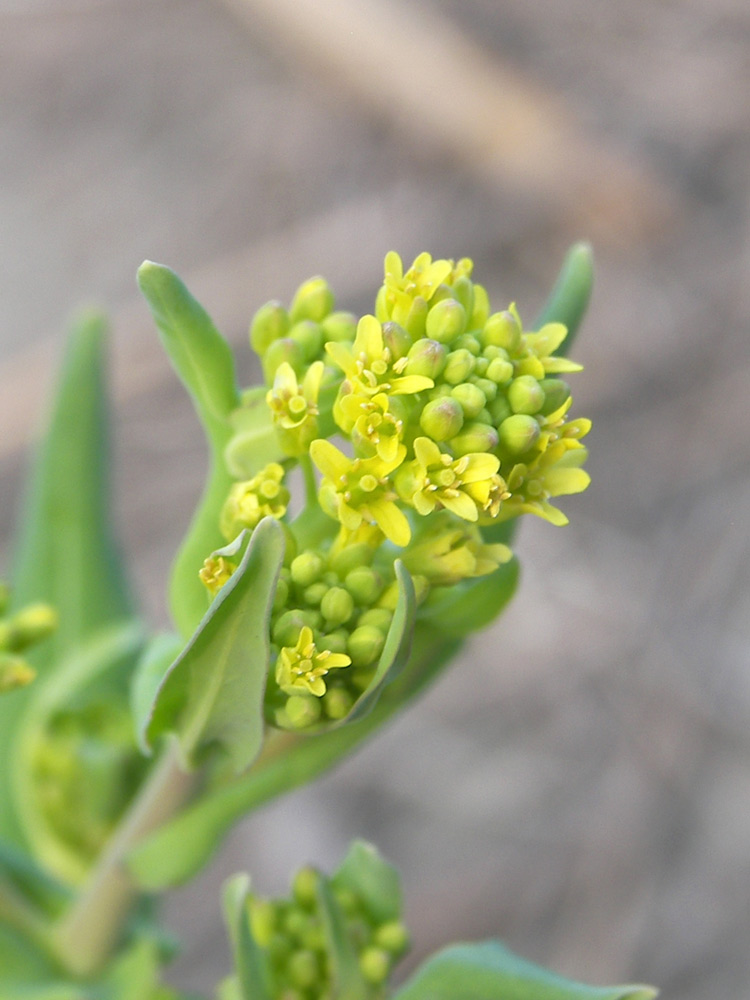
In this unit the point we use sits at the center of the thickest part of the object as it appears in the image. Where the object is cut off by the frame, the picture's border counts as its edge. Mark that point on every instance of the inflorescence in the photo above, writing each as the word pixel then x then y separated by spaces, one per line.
pixel 449 418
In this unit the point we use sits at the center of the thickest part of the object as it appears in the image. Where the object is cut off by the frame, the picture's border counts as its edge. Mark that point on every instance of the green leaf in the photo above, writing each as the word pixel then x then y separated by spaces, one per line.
pixel 66 553
pixel 204 362
pixel 570 296
pixel 213 692
pixel 473 604
pixel 249 962
pixel 366 873
pixel 254 442
pixel 489 971
pixel 157 657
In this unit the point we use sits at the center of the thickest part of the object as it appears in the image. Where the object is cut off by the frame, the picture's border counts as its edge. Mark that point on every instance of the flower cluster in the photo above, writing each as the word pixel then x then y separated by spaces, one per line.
pixel 25 628
pixel 294 937
pixel 449 418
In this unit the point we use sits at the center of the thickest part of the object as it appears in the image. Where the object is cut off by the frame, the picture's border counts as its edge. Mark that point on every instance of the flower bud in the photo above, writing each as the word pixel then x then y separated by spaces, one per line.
pixel 337 607
pixel 339 327
pixel 282 595
pixel 474 437
pixel 470 398
pixel 15 672
pixel 502 330
pixel 315 593
pixel 463 291
pixel 263 921
pixel 525 395
pixel 359 554
pixel 446 321
pixel 307 568
pixel 442 419
pixel 415 320
pixel 396 339
pixel 364 584
pixel 481 308
pixel 375 965
pixel 426 357
pixel 337 703
pixel 309 335
pixel 499 409
pixel 393 936
pixel 270 323
pixel 469 342
pixel 335 641
pixel 303 969
pixel 365 645
pixel 518 433
pixel 459 365
pixel 30 625
pixel 279 351
pixel 288 626
pixel 500 371
pixel 488 387
pixel 312 300
pixel 379 618
pixel 556 392
pixel 302 711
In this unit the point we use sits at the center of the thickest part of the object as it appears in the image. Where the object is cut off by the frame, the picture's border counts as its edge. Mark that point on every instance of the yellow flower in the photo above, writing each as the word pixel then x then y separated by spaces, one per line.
pixel 465 486
pixel 301 668
pixel 215 572
pixel 248 502
pixel 369 365
pixel 357 490
pixel 400 289
pixel 534 355
pixel 294 407
pixel 554 473
pixel 451 552
pixel 376 429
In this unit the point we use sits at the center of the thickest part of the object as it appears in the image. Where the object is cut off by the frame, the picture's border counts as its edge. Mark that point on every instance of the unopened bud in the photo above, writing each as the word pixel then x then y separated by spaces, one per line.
pixel 365 645
pixel 313 300
pixel 359 554
pixel 305 887
pixel 32 624
pixel 488 387
pixel 396 339
pixel 263 921
pixel 392 936
pixel 481 307
pixel 340 326
pixel 502 330
pixel 337 607
pixel 282 595
pixel 525 395
pixel 364 584
pixel 499 410
pixel 469 342
pixel 315 593
pixel 459 365
pixel 416 318
pixel 337 703
pixel 375 965
pixel 500 371
pixel 518 433
pixel 475 437
pixel 307 568
pixel 302 711
pixel 556 392
pixel 463 291
pixel 446 321
pixel 288 626
pixel 379 618
pixel 336 641
pixel 279 351
pixel 309 335
pixel 15 672
pixel 270 323
pixel 426 357
pixel 470 398
pixel 442 418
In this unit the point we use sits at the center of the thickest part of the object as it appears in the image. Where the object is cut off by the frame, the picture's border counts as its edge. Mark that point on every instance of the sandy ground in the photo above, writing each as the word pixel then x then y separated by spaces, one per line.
pixel 593 745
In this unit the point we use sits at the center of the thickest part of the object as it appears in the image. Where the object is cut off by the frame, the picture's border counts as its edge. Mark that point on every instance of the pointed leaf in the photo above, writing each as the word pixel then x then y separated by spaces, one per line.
pixel 204 362
pixel 489 971
pixel 249 961
pixel 213 692
pixel 570 296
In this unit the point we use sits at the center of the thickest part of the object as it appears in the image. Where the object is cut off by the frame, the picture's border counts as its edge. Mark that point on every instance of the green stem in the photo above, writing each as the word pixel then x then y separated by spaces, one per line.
pixel 16 912
pixel 89 931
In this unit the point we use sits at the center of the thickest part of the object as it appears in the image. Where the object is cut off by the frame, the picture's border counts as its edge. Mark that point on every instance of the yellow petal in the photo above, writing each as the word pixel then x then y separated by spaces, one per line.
pixel 461 505
pixel 391 521
pixel 332 463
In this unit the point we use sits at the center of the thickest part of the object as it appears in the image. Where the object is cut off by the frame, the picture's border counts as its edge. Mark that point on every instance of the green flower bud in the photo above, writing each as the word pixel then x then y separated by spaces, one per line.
pixel 396 339
pixel 415 321
pixel 375 964
pixel 296 922
pixel 364 584
pixel 475 437
pixel 15 672
pixel 286 629
pixel 337 606
pixel 309 335
pixel 442 419
pixel 282 595
pixel 270 323
pixel 470 398
pixel 481 365
pixel 392 936
pixel 499 409
pixel 313 300
pixel 525 395
pixel 302 711
pixel 556 392
pixel 335 641
pixel 30 625
pixel 445 321
pixel 468 342
pixel 279 351
pixel 518 433
pixel 303 969
pixel 500 371
pixel 463 291
pixel 305 887
pixel 481 307
pixel 263 921
pixel 365 645
pixel 459 365
pixel 337 703
pixel 440 391
pixel 339 326
pixel 488 387
pixel 379 618
pixel 426 357
pixel 315 593
pixel 350 557
pixel 306 568
pixel 502 330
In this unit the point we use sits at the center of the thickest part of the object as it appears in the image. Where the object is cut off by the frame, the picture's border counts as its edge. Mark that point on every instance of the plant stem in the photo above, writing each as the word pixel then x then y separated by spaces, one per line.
pixel 89 931
pixel 16 912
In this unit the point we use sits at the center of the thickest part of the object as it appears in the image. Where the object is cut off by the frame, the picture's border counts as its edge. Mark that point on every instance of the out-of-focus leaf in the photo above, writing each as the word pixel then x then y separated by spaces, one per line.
pixel 204 362
pixel 66 553
pixel 250 964
pixel 489 971
pixel 366 873
pixel 570 296
pixel 473 604
pixel 213 692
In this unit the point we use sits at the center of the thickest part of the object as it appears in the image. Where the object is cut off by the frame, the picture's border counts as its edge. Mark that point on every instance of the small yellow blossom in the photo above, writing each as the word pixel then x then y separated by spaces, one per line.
pixel 301 668
pixel 215 572
pixel 465 486
pixel 556 472
pixel 294 407
pixel 400 289
pixel 452 552
pixel 357 490
pixel 375 429
pixel 248 502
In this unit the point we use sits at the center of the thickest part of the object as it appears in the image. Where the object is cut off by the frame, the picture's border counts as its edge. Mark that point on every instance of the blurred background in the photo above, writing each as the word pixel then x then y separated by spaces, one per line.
pixel 579 783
